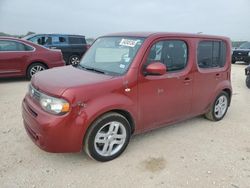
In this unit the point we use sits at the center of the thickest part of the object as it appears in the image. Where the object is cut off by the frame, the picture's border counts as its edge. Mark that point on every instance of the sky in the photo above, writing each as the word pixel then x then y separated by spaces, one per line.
pixel 95 18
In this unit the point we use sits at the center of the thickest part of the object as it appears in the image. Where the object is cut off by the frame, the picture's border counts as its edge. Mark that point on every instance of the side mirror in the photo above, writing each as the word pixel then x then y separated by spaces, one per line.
pixel 156 68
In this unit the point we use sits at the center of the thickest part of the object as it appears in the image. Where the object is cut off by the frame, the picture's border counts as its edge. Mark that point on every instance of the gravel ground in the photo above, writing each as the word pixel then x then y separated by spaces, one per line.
pixel 195 153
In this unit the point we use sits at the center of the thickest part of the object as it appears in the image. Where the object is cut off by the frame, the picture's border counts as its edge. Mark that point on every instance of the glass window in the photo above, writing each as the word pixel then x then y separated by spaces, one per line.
pixel 211 54
pixel 6 45
pixel 111 55
pixel 172 53
pixel 58 40
pixel 41 40
pixel 77 40
pixel 245 45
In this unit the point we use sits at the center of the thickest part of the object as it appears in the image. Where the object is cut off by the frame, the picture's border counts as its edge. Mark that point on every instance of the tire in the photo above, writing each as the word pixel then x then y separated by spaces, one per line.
pixel 219 108
pixel 233 62
pixel 34 68
pixel 74 60
pixel 248 81
pixel 107 137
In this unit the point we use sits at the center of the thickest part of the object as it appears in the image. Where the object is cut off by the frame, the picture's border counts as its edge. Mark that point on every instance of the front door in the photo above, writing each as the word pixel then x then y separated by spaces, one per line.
pixel 166 98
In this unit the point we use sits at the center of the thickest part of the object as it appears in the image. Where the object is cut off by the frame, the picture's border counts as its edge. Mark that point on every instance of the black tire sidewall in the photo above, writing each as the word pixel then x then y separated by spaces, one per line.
pixel 28 75
pixel 96 127
pixel 71 57
pixel 248 81
pixel 213 113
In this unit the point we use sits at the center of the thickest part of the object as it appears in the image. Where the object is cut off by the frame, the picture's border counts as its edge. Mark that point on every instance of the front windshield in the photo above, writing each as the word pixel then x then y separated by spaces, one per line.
pixel 245 45
pixel 111 55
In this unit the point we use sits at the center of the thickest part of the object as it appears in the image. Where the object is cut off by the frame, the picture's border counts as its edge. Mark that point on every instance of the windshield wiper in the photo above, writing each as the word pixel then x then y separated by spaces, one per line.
pixel 91 69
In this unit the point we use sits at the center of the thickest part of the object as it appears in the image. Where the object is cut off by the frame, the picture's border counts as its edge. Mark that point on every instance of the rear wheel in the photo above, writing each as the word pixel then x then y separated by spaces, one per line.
pixel 74 60
pixel 107 137
pixel 34 68
pixel 219 108
pixel 248 81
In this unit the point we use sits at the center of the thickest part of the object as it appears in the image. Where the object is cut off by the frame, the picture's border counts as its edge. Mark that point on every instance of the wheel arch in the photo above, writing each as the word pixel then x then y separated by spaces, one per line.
pixel 122 112
pixel 229 92
pixel 32 63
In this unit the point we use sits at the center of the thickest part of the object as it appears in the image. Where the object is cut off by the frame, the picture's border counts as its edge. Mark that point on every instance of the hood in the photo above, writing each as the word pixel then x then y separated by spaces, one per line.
pixel 56 80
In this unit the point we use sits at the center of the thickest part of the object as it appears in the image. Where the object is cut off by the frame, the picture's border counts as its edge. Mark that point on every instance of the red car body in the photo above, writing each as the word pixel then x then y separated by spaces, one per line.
pixel 16 62
pixel 148 102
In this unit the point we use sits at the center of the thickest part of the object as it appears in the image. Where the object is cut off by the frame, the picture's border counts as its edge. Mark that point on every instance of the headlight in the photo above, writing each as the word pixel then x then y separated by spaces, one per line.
pixel 54 105
pixel 248 53
pixel 50 104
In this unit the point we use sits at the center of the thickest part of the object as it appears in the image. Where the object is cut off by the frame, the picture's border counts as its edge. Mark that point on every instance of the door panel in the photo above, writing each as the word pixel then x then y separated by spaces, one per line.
pixel 166 98
pixel 12 57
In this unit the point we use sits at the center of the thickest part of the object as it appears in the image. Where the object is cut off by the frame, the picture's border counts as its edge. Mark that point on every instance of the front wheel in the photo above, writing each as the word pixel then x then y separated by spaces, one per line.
pixel 219 108
pixel 107 137
pixel 248 81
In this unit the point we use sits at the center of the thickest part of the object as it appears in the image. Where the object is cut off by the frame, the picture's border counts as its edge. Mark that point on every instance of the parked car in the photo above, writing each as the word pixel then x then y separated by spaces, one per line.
pixel 72 46
pixel 126 84
pixel 247 73
pixel 242 53
pixel 23 58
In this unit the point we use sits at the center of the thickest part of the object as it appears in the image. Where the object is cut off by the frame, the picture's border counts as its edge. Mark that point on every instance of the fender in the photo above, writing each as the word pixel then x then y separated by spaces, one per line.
pixel 225 85
pixel 104 104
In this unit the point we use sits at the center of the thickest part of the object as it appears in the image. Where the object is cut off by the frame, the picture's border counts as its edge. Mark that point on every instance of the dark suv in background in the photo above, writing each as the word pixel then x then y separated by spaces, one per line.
pixel 72 46
pixel 242 53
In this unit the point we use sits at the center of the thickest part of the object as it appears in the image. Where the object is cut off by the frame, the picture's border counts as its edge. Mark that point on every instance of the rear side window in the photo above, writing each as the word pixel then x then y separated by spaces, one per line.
pixel 77 40
pixel 58 40
pixel 13 46
pixel 211 54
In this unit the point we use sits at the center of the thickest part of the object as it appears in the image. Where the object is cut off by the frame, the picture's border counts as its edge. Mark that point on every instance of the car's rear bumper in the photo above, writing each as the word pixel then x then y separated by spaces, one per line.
pixel 50 132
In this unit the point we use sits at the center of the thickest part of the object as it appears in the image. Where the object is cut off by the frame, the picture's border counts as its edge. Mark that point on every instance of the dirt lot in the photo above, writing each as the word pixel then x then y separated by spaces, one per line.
pixel 195 153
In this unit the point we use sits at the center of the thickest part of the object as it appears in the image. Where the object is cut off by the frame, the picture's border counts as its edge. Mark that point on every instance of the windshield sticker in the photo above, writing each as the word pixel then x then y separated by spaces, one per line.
pixel 127 42
pixel 122 66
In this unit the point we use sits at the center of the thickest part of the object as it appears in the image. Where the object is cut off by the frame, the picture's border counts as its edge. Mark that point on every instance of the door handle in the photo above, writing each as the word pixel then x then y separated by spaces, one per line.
pixel 218 76
pixel 187 80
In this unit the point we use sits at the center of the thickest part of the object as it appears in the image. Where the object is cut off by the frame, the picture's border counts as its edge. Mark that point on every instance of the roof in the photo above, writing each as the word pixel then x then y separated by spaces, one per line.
pixel 165 34
pixel 71 35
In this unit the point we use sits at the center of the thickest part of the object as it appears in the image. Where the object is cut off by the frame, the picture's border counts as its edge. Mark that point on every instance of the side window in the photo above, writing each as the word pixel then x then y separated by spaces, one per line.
pixel 6 45
pixel 76 40
pixel 41 40
pixel 58 40
pixel 28 48
pixel 211 54
pixel 172 53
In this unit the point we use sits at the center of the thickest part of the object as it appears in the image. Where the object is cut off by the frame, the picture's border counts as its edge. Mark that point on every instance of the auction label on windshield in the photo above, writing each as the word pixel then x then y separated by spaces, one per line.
pixel 128 42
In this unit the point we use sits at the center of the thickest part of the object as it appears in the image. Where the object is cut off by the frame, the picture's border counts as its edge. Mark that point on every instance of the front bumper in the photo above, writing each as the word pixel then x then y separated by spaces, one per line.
pixel 241 58
pixel 52 133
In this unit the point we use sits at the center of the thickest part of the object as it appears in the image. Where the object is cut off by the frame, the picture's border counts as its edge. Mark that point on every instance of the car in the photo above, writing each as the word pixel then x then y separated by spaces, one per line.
pixel 242 53
pixel 72 46
pixel 247 73
pixel 126 84
pixel 20 58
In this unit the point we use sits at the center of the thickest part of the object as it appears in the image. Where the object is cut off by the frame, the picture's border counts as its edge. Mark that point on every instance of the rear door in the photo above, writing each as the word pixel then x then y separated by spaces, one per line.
pixel 211 71
pixel 13 57
pixel 78 45
pixel 167 97
pixel 61 42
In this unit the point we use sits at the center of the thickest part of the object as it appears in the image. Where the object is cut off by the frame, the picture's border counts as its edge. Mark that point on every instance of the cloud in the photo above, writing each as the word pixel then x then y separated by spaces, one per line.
pixel 94 18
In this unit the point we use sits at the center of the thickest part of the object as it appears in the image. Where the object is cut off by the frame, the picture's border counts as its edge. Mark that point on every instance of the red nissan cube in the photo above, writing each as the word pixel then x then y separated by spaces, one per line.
pixel 128 83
